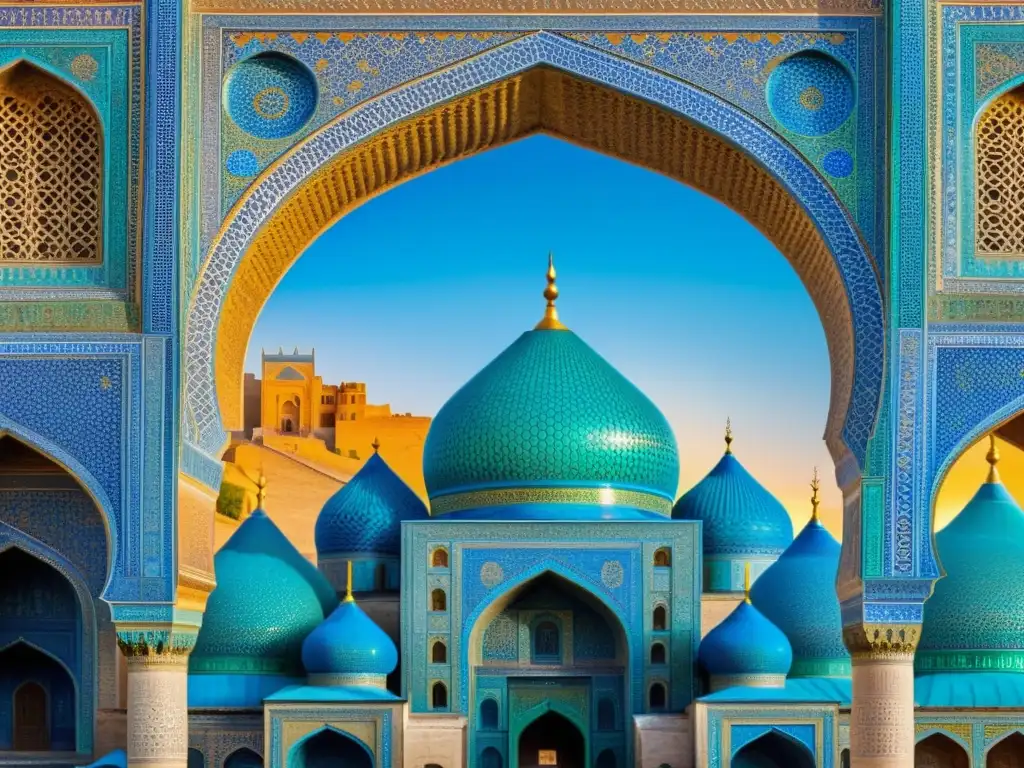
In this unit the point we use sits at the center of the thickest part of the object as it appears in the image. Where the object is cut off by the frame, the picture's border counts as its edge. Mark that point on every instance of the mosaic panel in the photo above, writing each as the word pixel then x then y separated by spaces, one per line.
pixel 278 84
pixel 861 280
pixel 339 718
pixel 97 50
pixel 722 724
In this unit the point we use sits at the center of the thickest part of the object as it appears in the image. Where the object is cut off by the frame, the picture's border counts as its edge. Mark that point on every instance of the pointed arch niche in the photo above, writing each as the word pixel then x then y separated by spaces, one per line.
pixel 940 751
pixel 539 84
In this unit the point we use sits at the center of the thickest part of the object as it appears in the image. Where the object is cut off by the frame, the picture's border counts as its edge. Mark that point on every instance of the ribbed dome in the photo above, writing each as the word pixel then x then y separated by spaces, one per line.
pixel 261 610
pixel 798 595
pixel 740 516
pixel 348 648
pixel 746 645
pixel 974 620
pixel 549 421
pixel 366 514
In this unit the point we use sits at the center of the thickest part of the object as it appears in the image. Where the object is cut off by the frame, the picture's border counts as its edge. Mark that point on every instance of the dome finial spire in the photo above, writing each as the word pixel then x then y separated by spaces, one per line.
pixel 992 457
pixel 550 321
pixel 348 584
pixel 728 435
pixel 814 496
pixel 261 490
pixel 375 445
pixel 746 582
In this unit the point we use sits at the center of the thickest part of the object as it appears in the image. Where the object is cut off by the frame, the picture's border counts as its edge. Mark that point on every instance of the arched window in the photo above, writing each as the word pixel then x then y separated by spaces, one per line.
pixel 196 759
pixel 438 600
pixel 658 653
pixel 380 577
pixel 491 758
pixel 439 559
pixel 439 696
pixel 51 170
pixel 547 643
pixel 662 558
pixel 844 759
pixel 999 177
pixel 660 622
pixel 489 714
pixel 657 696
pixel 606 759
pixel 605 715
pixel 439 652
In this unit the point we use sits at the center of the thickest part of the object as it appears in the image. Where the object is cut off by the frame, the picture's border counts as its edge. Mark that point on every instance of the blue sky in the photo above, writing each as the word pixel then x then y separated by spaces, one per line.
pixel 421 287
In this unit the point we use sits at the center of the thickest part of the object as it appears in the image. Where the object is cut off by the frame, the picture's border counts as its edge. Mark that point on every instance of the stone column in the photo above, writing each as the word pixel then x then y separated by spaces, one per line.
pixel 882 718
pixel 157 695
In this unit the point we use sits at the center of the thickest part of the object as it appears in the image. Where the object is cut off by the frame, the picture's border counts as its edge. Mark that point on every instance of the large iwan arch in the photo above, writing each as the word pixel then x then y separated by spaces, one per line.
pixel 539 83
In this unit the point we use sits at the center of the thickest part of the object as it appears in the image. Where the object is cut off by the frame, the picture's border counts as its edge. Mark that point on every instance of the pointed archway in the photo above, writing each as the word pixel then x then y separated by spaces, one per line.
pixel 939 751
pixel 552 740
pixel 773 750
pixel 1007 753
pixel 42 693
pixel 330 748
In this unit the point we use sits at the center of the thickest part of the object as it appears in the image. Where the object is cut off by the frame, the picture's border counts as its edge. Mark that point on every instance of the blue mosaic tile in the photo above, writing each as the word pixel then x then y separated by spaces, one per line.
pixel 810 93
pixel 242 162
pixel 838 163
pixel 855 265
pixel 270 96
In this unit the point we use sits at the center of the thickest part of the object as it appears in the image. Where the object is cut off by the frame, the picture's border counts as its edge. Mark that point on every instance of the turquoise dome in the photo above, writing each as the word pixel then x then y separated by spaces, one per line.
pixel 261 610
pixel 348 648
pixel 797 593
pixel 549 421
pixel 974 620
pixel 366 514
pixel 262 536
pixel 747 645
pixel 740 516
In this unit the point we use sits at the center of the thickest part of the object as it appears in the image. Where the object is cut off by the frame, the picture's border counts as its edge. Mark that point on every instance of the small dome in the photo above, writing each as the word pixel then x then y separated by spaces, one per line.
pixel 746 645
pixel 740 516
pixel 982 553
pixel 261 610
pixel 549 421
pixel 348 648
pixel 797 593
pixel 366 514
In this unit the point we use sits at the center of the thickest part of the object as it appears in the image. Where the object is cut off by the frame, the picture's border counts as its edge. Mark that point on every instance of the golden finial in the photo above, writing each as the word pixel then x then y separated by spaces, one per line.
pixel 375 445
pixel 348 585
pixel 992 457
pixel 728 435
pixel 550 321
pixel 261 490
pixel 746 582
pixel 814 496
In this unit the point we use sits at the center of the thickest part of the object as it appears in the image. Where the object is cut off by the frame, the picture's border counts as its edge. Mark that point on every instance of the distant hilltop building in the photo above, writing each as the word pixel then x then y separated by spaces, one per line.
pixel 291 399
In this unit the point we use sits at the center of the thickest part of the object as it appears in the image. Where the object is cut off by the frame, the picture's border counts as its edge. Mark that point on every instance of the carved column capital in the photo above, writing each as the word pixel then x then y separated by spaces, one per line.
pixel 882 642
pixel 159 647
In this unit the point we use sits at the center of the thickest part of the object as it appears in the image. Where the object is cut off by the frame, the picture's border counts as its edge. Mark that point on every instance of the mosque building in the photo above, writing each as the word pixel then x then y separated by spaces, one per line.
pixel 554 607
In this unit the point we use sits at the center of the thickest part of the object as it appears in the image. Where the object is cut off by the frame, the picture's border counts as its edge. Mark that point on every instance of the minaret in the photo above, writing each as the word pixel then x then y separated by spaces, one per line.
pixel 550 322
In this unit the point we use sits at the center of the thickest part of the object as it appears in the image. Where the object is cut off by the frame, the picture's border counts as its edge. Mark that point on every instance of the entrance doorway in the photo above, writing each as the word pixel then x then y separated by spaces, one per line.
pixel 31 731
pixel 773 750
pixel 552 741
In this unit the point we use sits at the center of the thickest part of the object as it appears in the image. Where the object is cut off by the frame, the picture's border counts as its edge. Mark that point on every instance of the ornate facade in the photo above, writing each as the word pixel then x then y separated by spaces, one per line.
pixel 163 163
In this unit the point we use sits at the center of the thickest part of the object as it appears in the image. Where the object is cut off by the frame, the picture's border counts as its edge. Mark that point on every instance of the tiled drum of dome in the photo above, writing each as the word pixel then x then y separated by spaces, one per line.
pixel 810 93
pixel 270 95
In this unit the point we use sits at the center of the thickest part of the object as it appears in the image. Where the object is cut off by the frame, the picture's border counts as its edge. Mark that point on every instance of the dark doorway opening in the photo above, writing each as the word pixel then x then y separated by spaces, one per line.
pixel 552 741
pixel 773 750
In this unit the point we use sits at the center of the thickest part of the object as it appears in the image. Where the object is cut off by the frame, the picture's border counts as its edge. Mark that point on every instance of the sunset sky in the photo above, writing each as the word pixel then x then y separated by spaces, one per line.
pixel 418 289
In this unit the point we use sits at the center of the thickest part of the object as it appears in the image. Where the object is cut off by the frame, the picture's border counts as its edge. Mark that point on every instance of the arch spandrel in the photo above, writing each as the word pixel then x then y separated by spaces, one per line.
pixel 537 84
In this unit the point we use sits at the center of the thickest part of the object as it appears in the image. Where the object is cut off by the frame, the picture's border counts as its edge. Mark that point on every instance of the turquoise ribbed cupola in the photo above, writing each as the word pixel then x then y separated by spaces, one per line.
pixel 264 605
pixel 746 649
pixel 798 595
pixel 348 648
pixel 974 620
pixel 366 514
pixel 550 430
pixel 742 522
